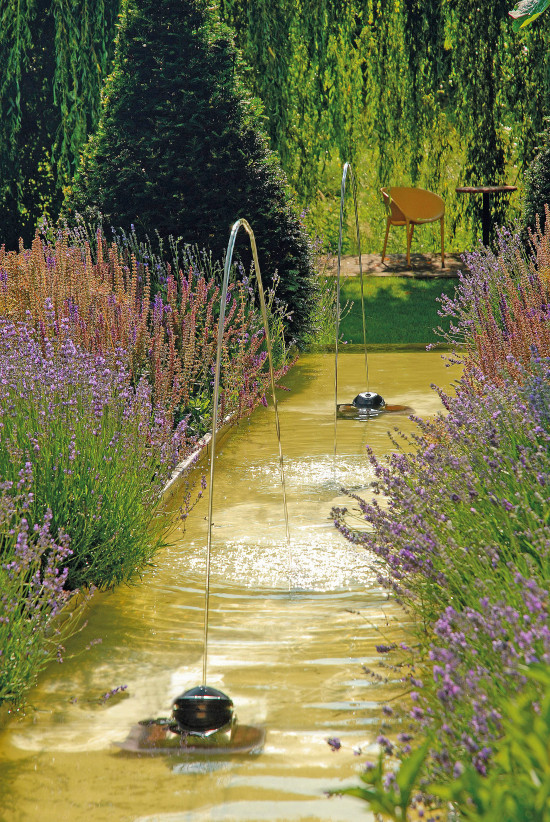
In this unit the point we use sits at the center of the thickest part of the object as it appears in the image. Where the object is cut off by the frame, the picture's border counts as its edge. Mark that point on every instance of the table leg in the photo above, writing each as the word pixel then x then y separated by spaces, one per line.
pixel 485 219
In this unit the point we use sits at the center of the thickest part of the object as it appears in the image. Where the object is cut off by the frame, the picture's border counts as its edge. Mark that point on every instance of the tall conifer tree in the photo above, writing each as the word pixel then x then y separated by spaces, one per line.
pixel 180 149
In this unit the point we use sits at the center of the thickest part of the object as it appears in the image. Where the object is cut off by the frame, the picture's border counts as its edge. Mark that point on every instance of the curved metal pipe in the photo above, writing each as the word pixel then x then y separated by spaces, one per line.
pixel 347 167
pixel 227 266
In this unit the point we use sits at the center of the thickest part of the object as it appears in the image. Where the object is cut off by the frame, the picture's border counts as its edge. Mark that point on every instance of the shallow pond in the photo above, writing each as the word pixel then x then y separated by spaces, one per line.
pixel 292 661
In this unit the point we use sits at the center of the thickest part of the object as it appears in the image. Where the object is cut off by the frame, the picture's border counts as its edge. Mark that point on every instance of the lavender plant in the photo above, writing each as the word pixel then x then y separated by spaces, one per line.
pixel 500 310
pixel 103 389
pixel 100 296
pixel 516 788
pixel 463 498
pixel 459 517
pixel 33 573
pixel 518 785
pixel 460 528
pixel 100 451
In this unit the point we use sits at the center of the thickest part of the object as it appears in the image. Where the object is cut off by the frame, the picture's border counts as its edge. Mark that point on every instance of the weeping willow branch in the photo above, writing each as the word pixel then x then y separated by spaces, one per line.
pixel 54 57
pixel 434 92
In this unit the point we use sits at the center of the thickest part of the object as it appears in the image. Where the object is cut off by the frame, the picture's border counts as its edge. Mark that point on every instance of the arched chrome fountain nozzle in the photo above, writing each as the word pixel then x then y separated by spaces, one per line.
pixel 368 403
pixel 203 711
pixel 202 718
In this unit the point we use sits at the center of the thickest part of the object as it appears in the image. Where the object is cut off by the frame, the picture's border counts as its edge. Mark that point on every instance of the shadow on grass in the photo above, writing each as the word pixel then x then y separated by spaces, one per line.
pixel 398 310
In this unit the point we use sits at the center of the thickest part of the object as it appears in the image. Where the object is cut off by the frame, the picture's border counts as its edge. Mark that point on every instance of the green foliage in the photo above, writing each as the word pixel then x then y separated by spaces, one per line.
pixel 54 56
pixel 526 12
pixel 308 70
pixel 324 315
pixel 180 148
pixel 391 792
pixel 518 783
pixel 517 786
pixel 537 185
pixel 434 94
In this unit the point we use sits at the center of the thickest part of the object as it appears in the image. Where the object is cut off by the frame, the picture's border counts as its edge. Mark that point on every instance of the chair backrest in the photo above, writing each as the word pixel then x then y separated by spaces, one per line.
pixel 417 204
pixel 394 213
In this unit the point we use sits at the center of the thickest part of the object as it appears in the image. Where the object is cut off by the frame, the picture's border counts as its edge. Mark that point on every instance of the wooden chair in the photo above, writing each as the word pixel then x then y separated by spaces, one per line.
pixel 410 207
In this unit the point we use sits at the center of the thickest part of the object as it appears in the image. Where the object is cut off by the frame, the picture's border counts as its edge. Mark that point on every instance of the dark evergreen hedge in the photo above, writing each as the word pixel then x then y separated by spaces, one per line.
pixel 537 184
pixel 181 150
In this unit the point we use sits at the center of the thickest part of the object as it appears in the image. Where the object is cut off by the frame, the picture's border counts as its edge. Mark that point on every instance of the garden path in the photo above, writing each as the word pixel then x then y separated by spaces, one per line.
pixel 423 266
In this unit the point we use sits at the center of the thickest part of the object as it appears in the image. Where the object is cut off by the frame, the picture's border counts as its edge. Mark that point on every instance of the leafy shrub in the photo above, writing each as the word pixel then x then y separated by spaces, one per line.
pixel 196 158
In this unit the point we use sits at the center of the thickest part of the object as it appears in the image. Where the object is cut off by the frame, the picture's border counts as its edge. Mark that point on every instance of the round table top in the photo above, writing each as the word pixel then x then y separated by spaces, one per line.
pixel 484 189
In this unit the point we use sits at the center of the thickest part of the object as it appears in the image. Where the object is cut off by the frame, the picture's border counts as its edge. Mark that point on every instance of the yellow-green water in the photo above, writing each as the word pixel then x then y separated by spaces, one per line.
pixel 291 661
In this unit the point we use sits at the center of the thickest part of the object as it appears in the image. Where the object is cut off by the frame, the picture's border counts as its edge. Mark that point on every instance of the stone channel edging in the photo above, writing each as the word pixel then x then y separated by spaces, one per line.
pixel 184 468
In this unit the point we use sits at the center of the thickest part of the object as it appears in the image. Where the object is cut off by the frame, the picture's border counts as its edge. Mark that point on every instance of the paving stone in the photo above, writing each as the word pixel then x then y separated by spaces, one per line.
pixel 423 266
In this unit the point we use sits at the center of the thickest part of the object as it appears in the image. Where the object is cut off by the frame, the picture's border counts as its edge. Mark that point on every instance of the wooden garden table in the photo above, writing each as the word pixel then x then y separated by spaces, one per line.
pixel 486 191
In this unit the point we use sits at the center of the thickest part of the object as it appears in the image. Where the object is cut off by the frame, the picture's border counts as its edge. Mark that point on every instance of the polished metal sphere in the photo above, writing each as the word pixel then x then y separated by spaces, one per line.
pixel 202 709
pixel 369 400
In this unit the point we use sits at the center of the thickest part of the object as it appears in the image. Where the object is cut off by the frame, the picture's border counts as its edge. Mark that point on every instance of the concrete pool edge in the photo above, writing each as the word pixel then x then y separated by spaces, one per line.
pixel 185 467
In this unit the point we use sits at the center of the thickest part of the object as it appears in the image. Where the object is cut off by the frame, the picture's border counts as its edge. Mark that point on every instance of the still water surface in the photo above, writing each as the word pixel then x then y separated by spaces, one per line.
pixel 291 661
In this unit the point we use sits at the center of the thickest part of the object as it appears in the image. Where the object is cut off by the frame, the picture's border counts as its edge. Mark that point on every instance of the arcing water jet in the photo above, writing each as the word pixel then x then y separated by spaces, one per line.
pixel 202 717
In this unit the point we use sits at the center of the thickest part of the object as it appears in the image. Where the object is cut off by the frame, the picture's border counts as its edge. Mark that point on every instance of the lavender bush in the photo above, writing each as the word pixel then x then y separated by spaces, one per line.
pixel 464 497
pixel 159 317
pixel 106 372
pixel 99 450
pixel 518 783
pixel 463 537
pixel 33 573
pixel 500 311
pixel 460 529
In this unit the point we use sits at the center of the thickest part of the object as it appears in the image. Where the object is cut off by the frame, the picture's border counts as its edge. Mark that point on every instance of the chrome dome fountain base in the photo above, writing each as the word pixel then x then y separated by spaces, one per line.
pixel 368 405
pixel 202 711
pixel 202 723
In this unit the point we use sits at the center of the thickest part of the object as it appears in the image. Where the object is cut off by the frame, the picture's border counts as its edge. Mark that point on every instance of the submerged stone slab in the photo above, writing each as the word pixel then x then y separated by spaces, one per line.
pixel 152 737
pixel 352 412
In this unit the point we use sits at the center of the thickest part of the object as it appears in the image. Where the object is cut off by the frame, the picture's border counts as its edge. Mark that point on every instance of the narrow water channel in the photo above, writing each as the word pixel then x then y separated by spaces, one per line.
pixel 291 661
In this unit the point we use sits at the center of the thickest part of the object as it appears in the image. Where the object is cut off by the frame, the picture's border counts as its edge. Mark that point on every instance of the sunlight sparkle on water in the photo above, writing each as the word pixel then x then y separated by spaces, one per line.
pixel 255 552
pixel 317 563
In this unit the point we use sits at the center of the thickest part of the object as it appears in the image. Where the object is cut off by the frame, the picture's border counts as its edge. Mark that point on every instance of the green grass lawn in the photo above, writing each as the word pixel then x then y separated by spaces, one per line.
pixel 398 310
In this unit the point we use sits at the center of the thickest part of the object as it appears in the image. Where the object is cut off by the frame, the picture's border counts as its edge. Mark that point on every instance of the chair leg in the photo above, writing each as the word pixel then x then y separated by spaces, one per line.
pixel 409 239
pixel 442 224
pixel 386 238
